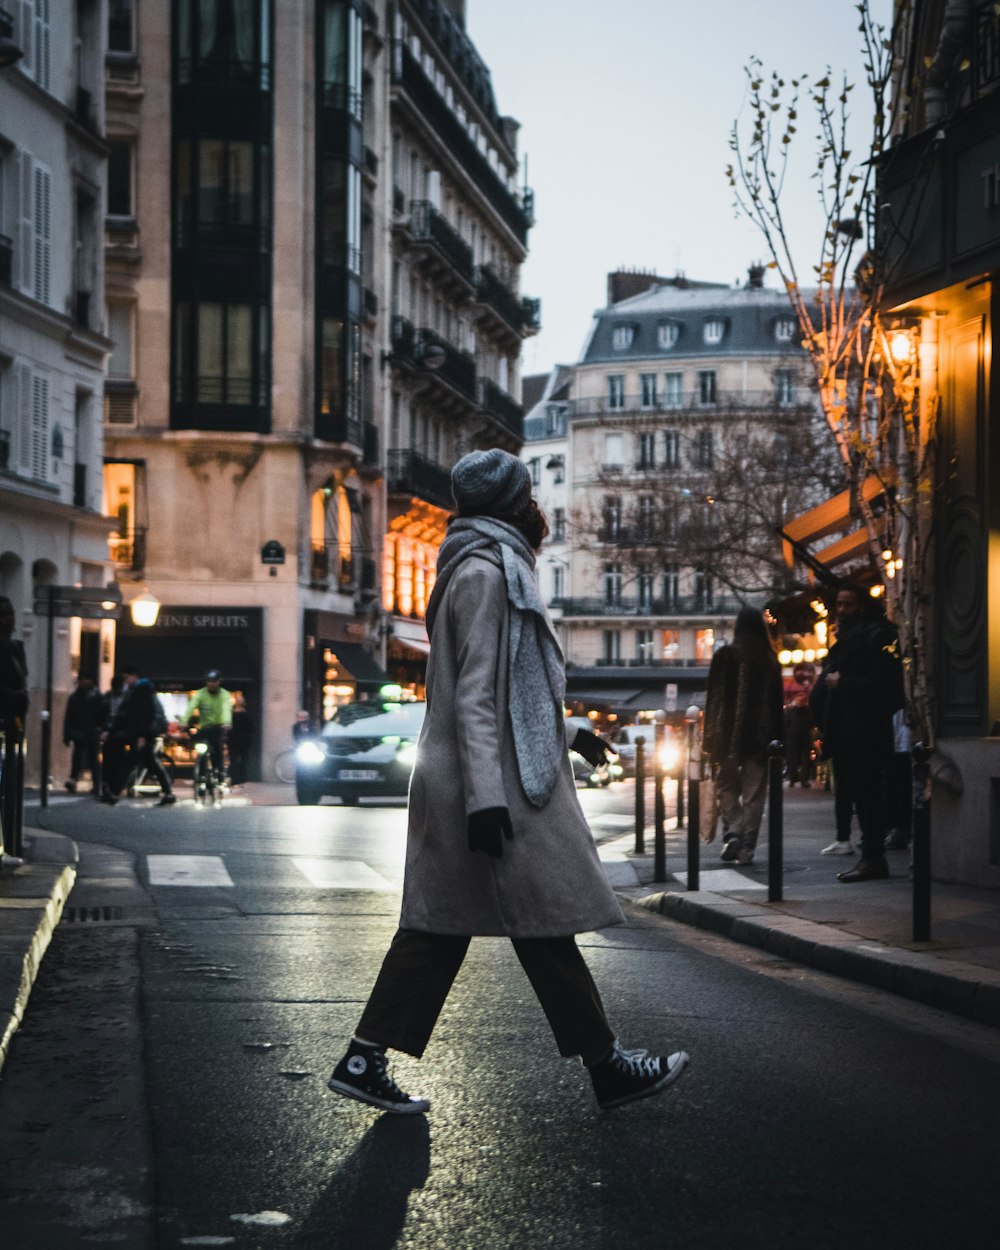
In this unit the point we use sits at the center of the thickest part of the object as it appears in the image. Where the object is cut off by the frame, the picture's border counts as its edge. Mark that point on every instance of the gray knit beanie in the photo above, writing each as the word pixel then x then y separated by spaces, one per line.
pixel 493 483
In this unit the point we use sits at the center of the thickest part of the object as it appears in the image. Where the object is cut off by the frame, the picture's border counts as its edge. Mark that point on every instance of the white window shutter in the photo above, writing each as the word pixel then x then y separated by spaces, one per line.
pixel 26 227
pixel 40 428
pixel 43 232
pixel 22 376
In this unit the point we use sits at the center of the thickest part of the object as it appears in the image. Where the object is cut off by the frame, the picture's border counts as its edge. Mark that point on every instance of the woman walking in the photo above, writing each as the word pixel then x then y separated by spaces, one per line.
pixel 743 714
pixel 497 843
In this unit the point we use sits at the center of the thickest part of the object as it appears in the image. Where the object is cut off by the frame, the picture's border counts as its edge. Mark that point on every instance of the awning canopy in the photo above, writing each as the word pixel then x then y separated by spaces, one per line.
pixel 833 516
pixel 359 663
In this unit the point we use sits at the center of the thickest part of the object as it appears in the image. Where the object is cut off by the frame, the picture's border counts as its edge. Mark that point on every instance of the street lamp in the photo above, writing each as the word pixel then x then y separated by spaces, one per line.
pixel 145 608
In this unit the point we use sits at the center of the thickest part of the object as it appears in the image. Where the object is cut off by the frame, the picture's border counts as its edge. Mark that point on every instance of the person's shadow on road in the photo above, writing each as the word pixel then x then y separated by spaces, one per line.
pixel 365 1204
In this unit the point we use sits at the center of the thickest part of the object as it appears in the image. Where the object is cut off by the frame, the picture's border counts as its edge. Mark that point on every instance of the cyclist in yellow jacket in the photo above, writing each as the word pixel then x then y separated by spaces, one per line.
pixel 214 708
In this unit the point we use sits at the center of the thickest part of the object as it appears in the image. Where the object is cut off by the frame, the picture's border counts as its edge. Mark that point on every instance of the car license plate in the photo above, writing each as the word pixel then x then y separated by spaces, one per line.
pixel 358 774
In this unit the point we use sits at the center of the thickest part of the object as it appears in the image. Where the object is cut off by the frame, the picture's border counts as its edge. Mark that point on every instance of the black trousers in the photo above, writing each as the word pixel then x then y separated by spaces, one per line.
pixel 86 754
pixel 859 775
pixel 419 969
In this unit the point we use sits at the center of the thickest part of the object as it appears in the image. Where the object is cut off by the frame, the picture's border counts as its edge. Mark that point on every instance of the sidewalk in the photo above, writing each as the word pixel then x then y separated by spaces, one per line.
pixel 32 899
pixel 862 931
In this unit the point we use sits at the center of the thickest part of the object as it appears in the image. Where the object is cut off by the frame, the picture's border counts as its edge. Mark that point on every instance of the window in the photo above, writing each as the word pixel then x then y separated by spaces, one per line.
pixel 714 331
pixel 784 386
pixel 704 588
pixel 214 361
pixel 706 386
pixel 671 449
pixel 120 28
pixel 612 518
pixel 644 586
pixel 647 383
pixel 667 334
pixel 616 391
pixel 557 465
pixel 558 525
pixel 342 40
pixel 703 449
pixel 555 420
pixel 644 645
pixel 673 393
pixel 120 332
pixel 612 646
pixel 119 179
pixel 37 429
pixel 704 645
pixel 671 585
pixel 558 581
pixel 646 448
pixel 784 329
pixel 34 233
pixel 622 337
pixel 228 41
pixel 645 518
pixel 612 585
pixel 670 641
pixel 614 451
pixel 34 38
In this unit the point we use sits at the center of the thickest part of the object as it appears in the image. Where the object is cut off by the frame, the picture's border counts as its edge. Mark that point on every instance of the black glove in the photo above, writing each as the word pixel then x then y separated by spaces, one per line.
pixel 593 749
pixel 488 828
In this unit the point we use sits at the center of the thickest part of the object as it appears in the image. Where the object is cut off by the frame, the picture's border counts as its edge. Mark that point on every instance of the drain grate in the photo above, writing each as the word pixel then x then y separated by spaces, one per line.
pixel 92 915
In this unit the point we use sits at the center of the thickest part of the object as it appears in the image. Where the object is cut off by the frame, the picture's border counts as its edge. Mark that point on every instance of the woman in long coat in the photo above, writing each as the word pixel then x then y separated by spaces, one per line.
pixel 497 843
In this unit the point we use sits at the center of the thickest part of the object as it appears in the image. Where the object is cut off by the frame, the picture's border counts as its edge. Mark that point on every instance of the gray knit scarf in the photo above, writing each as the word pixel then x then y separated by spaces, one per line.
pixel 537 681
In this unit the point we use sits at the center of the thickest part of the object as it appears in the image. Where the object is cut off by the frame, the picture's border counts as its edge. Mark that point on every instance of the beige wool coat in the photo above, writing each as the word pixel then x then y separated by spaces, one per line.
pixel 549 881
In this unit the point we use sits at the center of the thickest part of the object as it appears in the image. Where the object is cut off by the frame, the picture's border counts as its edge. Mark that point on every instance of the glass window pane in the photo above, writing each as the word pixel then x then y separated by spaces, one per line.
pixel 182 352
pixel 183 168
pixel 332 365
pixel 239 354
pixel 120 26
pixel 120 333
pixel 240 171
pixel 211 181
pixel 210 354
pixel 120 179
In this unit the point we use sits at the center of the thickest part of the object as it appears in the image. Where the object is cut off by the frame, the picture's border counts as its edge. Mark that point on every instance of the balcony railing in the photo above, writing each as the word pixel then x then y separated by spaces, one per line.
pixel 492 290
pixel 408 73
pixel 681 605
pixel 127 549
pixel 431 226
pixel 328 563
pixel 410 473
pixel 459 368
pixel 803 398
pixel 500 406
pixel 403 335
pixel 6 260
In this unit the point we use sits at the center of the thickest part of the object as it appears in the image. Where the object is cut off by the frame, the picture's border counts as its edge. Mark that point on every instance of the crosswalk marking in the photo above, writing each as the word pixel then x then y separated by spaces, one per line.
pixel 342 874
pixel 197 870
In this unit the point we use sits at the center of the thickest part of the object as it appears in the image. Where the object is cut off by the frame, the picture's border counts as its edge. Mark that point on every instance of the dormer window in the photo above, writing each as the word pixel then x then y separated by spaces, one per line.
pixel 784 329
pixel 715 330
pixel 667 334
pixel 622 337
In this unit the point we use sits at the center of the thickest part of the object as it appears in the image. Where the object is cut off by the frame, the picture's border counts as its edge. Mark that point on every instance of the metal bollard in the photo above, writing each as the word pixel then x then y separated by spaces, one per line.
pixel 775 821
pixel 921 843
pixel 694 802
pixel 640 795
pixel 659 809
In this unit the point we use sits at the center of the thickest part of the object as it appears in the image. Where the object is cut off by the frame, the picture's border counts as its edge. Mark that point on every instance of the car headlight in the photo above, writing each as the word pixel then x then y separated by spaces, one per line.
pixel 309 753
pixel 407 754
pixel 669 758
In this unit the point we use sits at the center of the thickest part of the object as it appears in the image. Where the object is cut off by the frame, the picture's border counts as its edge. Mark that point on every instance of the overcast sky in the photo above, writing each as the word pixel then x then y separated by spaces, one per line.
pixel 625 110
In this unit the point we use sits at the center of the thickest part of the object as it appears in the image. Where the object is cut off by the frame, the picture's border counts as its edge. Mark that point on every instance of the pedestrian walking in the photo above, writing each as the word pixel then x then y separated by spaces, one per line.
pixel 13 673
pixel 743 714
pixel 496 842
pixel 82 727
pixel 130 744
pixel 859 689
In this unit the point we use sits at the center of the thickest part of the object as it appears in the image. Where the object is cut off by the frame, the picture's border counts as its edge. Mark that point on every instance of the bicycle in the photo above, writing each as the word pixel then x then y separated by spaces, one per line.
pixel 210 784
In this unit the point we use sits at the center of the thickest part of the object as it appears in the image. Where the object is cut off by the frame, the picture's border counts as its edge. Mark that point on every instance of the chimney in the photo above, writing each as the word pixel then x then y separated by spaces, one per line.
pixel 755 277
pixel 624 283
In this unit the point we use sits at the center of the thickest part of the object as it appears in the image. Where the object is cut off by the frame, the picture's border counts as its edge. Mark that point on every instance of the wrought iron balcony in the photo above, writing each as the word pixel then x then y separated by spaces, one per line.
pixel 492 290
pixel 458 369
pixel 403 336
pixel 495 401
pixel 634 605
pixel 127 549
pixel 430 226
pixel 410 473
pixel 328 562
pixel 803 398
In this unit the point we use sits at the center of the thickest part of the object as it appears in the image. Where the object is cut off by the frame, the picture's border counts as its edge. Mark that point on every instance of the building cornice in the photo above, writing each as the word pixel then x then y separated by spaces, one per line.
pixel 36 499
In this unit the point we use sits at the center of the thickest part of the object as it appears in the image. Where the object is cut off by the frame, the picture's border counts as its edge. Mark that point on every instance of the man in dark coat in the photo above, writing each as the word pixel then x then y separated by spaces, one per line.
pixel 13 673
pixel 859 689
pixel 131 740
pixel 82 731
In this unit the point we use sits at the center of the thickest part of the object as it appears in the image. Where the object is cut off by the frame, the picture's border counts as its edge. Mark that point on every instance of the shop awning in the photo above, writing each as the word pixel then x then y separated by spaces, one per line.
pixel 416 645
pixel 833 516
pixel 358 662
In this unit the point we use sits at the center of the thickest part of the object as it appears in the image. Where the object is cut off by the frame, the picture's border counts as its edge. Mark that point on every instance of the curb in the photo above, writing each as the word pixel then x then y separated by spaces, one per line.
pixel 31 905
pixel 936 982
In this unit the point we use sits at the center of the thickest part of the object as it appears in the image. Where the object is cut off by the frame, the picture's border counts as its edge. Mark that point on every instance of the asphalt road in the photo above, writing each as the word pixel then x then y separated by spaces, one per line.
pixel 169 1082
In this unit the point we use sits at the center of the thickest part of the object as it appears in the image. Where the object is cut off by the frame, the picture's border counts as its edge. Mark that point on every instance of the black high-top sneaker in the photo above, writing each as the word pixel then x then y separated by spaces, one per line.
pixel 362 1074
pixel 624 1076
